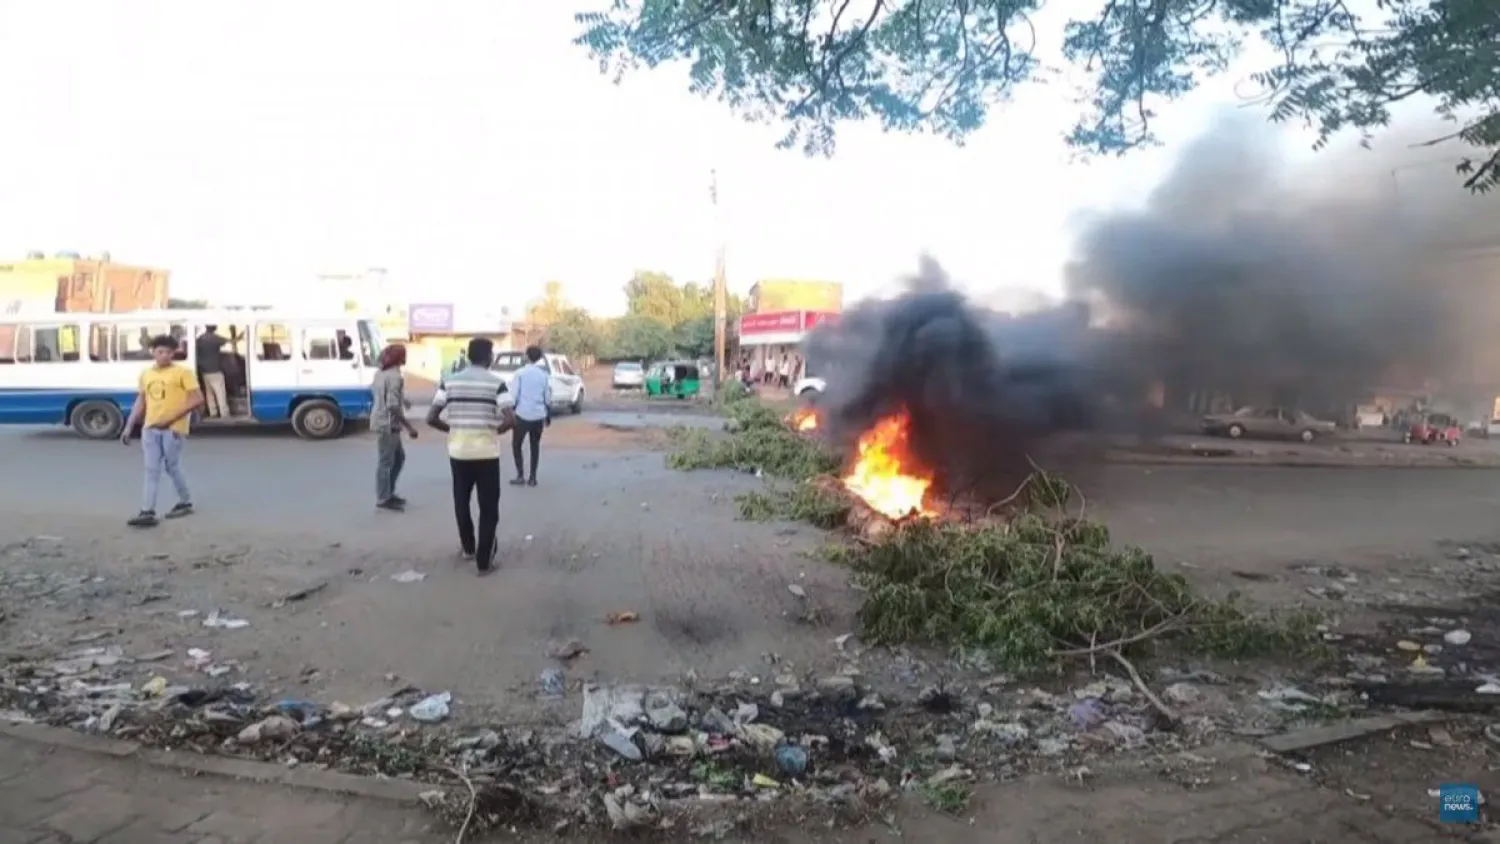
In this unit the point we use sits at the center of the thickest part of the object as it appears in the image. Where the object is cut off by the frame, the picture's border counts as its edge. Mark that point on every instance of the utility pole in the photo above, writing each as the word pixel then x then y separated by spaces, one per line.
pixel 721 293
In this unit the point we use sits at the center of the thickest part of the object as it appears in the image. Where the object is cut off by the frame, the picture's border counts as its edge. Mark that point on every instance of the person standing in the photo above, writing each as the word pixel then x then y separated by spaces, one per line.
pixel 473 399
pixel 165 400
pixel 533 407
pixel 388 420
pixel 211 371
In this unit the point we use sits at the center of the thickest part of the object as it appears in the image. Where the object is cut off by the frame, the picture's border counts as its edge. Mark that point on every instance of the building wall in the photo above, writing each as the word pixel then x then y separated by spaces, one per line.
pixel 73 285
pixel 770 295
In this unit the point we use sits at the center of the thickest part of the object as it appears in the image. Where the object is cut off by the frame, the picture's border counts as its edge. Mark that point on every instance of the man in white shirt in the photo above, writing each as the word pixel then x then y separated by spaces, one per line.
pixel 532 393
pixel 477 413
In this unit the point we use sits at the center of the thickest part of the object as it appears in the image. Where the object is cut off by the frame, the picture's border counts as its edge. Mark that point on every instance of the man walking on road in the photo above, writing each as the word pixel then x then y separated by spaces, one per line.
pixel 533 406
pixel 211 369
pixel 167 396
pixel 474 401
pixel 388 420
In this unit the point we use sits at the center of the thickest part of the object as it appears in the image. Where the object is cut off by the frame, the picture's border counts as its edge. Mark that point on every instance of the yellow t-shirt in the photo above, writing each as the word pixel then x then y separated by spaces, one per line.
pixel 166 390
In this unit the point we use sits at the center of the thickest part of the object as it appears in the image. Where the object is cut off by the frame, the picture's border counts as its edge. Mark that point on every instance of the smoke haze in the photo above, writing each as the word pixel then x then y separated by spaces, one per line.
pixel 1241 275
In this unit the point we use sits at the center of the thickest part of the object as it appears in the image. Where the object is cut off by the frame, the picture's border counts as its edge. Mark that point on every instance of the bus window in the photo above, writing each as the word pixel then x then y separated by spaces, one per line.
pixel 273 341
pixel 55 344
pixel 133 341
pixel 320 343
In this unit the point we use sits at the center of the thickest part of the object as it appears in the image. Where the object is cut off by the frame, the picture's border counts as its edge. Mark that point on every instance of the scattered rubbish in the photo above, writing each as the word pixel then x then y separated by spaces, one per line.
pixel 552 683
pixel 1182 694
pixel 1356 795
pixel 791 760
pixel 409 576
pixel 621 741
pixel 1408 646
pixel 622 617
pixel 299 595
pixel 570 649
pixel 796 589
pixel 1087 713
pixel 270 729
pixel 1290 698
pixel 84 638
pixel 763 781
pixel 153 656
pixel 186 613
pixel 1457 637
pixel 432 708
pixel 155 687
pixel 220 622
pixel 603 704
pixel 1490 688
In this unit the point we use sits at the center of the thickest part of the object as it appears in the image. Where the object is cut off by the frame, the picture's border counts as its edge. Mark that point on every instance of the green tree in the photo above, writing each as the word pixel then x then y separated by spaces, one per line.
pixel 551 307
pixel 576 334
pixel 654 295
pixel 940 66
pixel 643 337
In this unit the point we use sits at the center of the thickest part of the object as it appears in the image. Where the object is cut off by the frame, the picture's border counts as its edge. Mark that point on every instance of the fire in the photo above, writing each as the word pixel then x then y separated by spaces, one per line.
pixel 885 475
pixel 803 419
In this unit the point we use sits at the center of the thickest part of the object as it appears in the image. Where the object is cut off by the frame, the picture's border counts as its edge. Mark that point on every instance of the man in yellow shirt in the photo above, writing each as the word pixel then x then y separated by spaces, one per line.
pixel 163 408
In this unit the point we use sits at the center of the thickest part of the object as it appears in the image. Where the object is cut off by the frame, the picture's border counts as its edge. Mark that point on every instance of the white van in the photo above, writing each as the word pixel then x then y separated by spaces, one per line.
pixel 79 369
pixel 567 384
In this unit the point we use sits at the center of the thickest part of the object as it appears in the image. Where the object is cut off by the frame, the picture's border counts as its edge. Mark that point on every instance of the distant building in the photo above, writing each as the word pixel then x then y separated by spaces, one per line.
pixel 778 295
pixel 70 283
pixel 369 292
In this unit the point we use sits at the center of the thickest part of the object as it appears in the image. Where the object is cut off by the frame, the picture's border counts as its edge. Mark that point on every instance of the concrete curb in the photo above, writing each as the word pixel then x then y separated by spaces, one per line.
pixel 1347 731
pixel 196 764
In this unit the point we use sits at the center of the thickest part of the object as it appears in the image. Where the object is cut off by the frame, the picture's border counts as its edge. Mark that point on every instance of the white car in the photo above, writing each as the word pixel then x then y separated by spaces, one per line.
pixel 567 385
pixel 808 387
pixel 629 374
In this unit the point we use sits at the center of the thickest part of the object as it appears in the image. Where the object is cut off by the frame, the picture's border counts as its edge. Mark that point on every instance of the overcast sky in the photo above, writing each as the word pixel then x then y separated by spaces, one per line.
pixel 469 148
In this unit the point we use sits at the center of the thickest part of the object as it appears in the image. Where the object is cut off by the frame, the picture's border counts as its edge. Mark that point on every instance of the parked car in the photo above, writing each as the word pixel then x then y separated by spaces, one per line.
pixel 629 375
pixel 1268 423
pixel 567 386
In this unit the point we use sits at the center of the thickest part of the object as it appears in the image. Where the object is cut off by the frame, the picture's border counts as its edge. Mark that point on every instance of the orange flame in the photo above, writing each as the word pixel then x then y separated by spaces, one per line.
pixel 885 475
pixel 803 419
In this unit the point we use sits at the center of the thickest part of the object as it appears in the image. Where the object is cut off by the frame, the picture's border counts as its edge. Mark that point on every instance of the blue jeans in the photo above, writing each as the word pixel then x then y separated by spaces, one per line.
pixel 163 450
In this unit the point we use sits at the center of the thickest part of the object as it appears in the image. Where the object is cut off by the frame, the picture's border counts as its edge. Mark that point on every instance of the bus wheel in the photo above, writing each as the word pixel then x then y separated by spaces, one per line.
pixel 98 420
pixel 317 419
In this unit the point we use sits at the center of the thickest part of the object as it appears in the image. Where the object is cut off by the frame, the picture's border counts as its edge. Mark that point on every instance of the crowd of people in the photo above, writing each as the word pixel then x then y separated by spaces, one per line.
pixel 473 406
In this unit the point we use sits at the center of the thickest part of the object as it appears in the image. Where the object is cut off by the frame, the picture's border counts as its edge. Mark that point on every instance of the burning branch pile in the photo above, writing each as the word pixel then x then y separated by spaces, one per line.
pixel 1029 584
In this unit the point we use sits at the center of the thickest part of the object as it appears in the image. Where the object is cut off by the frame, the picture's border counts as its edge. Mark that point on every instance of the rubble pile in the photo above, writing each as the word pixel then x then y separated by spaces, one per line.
pixel 694 758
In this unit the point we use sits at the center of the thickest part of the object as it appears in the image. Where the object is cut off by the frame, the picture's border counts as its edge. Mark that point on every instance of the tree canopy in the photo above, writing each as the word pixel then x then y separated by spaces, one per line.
pixel 941 66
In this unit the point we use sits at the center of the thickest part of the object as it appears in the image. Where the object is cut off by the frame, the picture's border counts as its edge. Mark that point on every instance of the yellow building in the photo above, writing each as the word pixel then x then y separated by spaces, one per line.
pixel 71 283
pixel 776 295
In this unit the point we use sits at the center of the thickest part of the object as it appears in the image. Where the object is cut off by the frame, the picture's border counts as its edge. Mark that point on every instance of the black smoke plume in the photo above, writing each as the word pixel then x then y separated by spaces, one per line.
pixel 1242 279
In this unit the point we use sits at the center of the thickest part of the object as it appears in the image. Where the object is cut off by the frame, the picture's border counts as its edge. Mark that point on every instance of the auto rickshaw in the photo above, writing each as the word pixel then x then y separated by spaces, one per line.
pixel 1432 428
pixel 677 379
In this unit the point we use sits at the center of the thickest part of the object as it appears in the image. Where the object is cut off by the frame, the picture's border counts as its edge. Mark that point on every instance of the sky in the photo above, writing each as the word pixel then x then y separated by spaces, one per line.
pixel 468 147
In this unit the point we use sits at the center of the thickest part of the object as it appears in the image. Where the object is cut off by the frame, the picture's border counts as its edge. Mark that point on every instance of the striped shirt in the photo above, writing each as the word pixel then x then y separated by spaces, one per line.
pixel 473 398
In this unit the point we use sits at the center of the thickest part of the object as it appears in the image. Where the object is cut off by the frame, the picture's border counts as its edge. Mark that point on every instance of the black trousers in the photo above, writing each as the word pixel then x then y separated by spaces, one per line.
pixel 469 477
pixel 526 429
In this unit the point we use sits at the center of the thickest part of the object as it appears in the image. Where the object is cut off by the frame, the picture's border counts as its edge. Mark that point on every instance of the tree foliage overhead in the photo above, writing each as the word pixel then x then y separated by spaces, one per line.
pixel 940 66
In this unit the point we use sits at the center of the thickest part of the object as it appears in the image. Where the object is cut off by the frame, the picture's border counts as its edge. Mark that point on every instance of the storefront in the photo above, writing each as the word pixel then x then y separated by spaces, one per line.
pixel 770 343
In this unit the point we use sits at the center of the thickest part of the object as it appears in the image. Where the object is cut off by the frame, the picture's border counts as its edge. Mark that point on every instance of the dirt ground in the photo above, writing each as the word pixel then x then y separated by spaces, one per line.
pixel 287 539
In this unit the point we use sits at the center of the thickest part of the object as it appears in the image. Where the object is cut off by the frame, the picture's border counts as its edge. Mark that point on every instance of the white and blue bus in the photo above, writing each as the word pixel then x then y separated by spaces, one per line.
pixel 81 369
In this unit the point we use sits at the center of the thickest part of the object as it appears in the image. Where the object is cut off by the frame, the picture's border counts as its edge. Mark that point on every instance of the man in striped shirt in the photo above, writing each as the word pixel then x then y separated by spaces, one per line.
pixel 477 412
